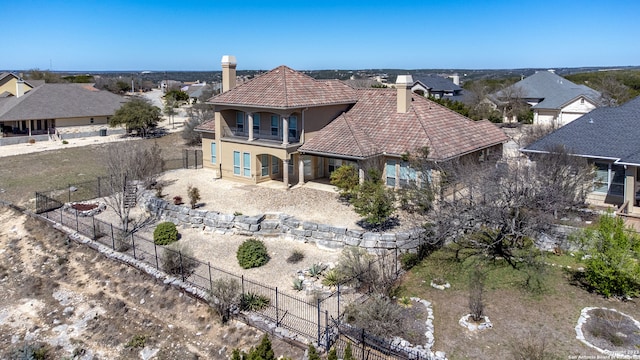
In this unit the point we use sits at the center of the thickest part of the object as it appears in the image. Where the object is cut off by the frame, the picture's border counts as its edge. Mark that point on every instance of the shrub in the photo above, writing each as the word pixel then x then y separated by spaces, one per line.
pixel 32 141
pixel 178 259
pixel 194 196
pixel 295 257
pixel 313 353
pixel 332 278
pixel 612 327
pixel 409 260
pixel 224 294
pixel 137 341
pixel 177 200
pixel 348 353
pixel 253 302
pixel 252 253
pixel 165 233
pixel 379 315
pixel 346 179
pixel 315 270
pixel 531 348
pixel 64 142
pixel 159 187
pixel 374 201
pixel 333 354
pixel 298 284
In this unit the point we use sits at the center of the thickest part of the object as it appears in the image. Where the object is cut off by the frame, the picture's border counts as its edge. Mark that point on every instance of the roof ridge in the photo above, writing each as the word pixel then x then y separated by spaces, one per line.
pixel 355 137
pixel 284 84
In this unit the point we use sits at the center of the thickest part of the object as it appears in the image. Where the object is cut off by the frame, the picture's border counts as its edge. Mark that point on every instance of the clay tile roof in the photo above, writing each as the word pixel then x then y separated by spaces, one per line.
pixel 285 88
pixel 375 126
pixel 207 126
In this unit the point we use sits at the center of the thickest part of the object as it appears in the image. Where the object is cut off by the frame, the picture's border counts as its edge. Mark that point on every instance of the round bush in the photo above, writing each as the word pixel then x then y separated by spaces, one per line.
pixel 165 233
pixel 252 253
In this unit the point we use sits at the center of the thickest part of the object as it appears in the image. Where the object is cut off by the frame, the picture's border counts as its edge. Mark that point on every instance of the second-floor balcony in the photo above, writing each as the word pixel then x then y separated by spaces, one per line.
pixel 259 135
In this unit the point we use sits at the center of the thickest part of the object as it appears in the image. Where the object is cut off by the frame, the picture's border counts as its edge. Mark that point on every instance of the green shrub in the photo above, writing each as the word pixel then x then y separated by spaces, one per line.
pixel 346 179
pixel 64 142
pixel 252 253
pixel 194 196
pixel 298 284
pixel 223 295
pixel 253 302
pixel 332 278
pixel 333 354
pixel 313 353
pixel 165 233
pixel 295 257
pixel 348 353
pixel 409 260
pixel 315 270
pixel 137 341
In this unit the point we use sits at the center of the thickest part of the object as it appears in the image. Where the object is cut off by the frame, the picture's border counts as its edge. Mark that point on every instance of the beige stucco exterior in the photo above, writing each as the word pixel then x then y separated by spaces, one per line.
pixel 9 84
pixel 564 115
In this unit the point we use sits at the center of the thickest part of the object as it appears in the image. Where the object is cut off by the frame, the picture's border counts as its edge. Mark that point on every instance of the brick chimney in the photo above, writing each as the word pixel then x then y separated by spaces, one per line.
pixel 404 84
pixel 228 72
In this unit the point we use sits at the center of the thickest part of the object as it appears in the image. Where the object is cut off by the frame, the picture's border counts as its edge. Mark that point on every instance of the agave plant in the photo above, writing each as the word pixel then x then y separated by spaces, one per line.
pixel 298 284
pixel 315 270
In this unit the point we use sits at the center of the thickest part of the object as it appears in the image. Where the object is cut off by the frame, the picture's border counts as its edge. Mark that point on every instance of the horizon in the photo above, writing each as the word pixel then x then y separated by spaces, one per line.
pixel 330 35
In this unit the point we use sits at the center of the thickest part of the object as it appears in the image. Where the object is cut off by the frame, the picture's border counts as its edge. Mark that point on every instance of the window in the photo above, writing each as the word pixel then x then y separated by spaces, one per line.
pixel 256 123
pixel 246 164
pixel 264 162
pixel 275 165
pixel 581 100
pixel 213 153
pixel 293 127
pixel 92 120
pixel 240 121
pixel 609 179
pixel 391 173
pixel 407 174
pixel 236 163
pixel 334 164
pixel 274 125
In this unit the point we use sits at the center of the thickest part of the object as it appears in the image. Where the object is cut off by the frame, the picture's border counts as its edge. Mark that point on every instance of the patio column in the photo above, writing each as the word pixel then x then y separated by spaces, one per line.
pixel 630 187
pixel 285 173
pixel 300 170
pixel 360 175
pixel 285 130
pixel 250 125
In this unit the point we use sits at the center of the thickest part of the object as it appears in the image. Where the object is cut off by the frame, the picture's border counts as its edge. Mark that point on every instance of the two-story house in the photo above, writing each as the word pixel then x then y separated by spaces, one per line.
pixel 287 126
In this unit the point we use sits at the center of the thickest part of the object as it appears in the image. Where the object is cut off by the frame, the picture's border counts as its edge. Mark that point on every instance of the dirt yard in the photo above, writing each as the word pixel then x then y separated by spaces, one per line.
pixel 70 302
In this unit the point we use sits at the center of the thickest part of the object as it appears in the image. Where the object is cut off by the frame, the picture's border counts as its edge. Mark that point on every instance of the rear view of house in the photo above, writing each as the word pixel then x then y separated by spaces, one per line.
pixel 284 125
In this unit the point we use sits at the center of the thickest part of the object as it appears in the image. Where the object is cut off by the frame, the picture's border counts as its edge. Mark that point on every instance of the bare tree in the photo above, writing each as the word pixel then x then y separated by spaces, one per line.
pixel 612 90
pixel 130 165
pixel 514 104
pixel 497 209
pixel 197 114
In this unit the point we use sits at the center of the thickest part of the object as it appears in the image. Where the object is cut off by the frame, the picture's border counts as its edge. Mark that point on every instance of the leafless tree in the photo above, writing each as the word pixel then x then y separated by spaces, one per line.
pixel 612 90
pixel 497 209
pixel 197 114
pixel 130 165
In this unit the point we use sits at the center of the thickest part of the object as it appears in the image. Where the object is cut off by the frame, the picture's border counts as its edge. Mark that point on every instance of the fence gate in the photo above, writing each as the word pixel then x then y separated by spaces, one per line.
pixel 45 203
pixel 192 159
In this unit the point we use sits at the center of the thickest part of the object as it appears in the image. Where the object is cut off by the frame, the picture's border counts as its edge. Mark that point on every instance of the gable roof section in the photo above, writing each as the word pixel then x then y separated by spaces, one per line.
pixel 50 101
pixel 31 83
pixel 553 90
pixel 285 88
pixel 607 133
pixel 373 126
pixel 437 83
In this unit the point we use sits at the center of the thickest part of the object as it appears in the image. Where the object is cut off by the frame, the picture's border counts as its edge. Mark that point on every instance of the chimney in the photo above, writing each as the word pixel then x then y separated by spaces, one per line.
pixel 404 84
pixel 228 72
pixel 456 79
pixel 20 87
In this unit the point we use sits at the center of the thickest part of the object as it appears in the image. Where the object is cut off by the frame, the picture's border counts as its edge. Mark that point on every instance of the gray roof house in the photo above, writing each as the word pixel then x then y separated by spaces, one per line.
pixel 439 87
pixel 555 101
pixel 51 109
pixel 610 138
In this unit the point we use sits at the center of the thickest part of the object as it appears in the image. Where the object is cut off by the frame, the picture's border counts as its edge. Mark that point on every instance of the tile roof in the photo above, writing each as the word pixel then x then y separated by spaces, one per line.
pixel 607 132
pixel 373 126
pixel 553 90
pixel 285 88
pixel 207 126
pixel 50 101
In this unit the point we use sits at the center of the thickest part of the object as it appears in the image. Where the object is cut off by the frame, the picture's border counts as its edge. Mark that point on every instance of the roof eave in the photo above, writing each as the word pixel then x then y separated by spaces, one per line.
pixel 283 108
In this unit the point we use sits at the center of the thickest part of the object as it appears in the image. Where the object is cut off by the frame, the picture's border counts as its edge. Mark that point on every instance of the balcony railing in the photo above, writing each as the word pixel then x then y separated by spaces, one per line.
pixel 260 135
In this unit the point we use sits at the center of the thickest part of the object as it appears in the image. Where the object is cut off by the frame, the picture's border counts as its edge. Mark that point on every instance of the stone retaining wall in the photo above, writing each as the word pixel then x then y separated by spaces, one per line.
pixel 279 225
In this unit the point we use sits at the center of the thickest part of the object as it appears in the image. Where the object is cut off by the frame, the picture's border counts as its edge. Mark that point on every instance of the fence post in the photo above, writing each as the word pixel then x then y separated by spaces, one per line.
pixel 326 330
pixel 338 314
pixel 93 219
pixel 181 268
pixel 155 249
pixel 396 262
pixel 242 283
pixel 277 312
pixel 99 186
pixel 133 243
pixel 210 279
pixel 77 227
pixel 362 342
pixel 69 191
pixel 113 240
pixel 61 222
pixel 319 325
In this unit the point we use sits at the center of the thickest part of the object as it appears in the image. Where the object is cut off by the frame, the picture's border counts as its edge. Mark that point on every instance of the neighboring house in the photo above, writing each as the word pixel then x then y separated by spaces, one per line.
pixel 554 100
pixel 439 87
pixel 51 107
pixel 13 85
pixel 284 125
pixel 609 138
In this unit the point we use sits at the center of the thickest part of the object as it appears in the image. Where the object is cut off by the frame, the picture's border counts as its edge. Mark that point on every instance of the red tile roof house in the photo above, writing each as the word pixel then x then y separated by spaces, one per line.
pixel 286 126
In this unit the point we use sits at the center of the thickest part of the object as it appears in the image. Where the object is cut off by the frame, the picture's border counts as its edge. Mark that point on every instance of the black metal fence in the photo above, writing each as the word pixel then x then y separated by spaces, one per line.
pixel 366 346
pixel 191 159
pixel 312 319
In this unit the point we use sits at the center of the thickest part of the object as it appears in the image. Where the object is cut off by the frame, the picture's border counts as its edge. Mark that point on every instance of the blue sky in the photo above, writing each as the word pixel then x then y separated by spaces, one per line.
pixel 193 35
